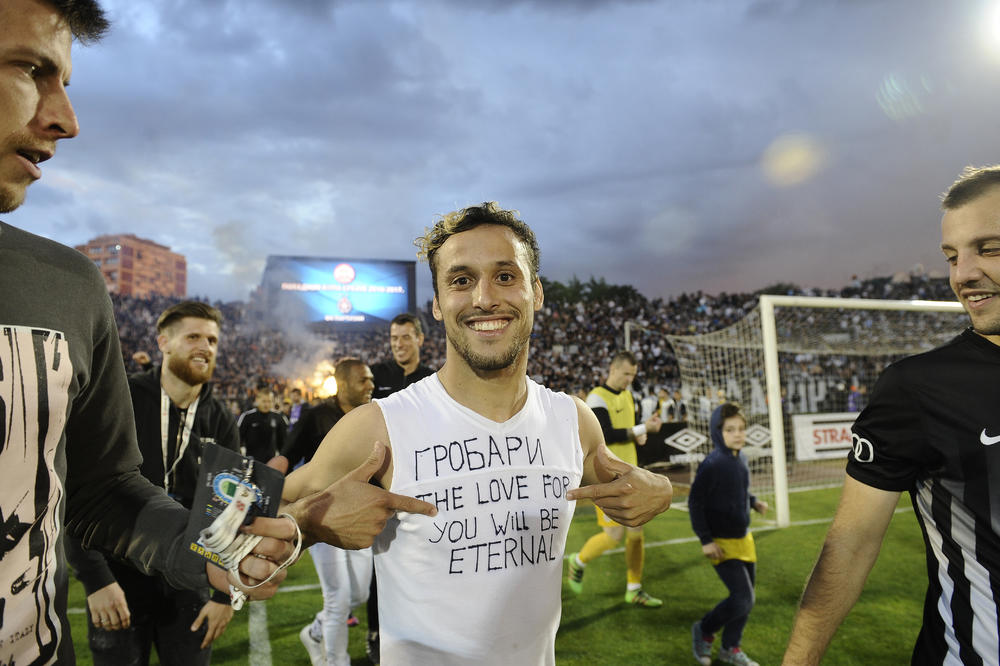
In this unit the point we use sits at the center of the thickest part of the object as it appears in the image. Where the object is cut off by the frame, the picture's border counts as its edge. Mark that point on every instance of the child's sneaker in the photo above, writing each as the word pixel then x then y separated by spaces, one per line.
pixel 575 578
pixel 735 655
pixel 701 645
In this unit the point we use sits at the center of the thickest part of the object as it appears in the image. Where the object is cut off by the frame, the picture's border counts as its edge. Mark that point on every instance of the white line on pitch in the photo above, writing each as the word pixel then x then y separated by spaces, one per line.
pixel 260 642
pixel 762 528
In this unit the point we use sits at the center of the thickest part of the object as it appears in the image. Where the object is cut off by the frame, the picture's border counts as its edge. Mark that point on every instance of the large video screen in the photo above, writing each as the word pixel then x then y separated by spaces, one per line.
pixel 325 292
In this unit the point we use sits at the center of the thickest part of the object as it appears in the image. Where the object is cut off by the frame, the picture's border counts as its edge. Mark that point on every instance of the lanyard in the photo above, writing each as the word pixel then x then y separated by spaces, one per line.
pixel 183 436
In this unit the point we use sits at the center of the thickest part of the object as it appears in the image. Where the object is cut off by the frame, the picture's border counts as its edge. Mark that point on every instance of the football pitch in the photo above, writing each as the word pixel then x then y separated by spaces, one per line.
pixel 599 628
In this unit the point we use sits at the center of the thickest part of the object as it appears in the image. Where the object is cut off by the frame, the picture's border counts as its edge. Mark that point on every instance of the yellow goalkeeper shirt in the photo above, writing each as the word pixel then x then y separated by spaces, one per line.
pixel 617 421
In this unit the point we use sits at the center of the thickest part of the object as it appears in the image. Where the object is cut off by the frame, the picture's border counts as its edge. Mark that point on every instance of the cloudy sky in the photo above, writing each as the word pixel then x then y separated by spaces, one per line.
pixel 676 145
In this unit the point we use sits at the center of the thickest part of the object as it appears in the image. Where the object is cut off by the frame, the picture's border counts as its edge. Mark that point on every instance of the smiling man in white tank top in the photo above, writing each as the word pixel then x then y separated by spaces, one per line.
pixel 501 457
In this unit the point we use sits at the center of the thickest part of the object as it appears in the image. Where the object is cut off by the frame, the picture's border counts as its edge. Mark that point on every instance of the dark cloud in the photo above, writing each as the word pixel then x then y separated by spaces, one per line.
pixel 635 136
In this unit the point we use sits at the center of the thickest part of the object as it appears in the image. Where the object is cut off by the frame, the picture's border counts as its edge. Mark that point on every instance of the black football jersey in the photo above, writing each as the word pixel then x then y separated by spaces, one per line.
pixel 932 428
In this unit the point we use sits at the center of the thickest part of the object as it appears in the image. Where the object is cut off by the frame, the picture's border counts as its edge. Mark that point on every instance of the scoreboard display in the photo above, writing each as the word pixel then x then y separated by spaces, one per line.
pixel 327 293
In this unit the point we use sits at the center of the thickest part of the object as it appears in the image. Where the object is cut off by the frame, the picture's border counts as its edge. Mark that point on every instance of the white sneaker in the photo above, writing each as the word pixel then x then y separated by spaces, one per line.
pixel 315 648
pixel 701 646
pixel 735 655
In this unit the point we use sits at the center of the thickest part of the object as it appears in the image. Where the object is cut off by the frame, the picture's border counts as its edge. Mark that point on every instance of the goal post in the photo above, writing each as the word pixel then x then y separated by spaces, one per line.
pixel 789 362
pixel 770 343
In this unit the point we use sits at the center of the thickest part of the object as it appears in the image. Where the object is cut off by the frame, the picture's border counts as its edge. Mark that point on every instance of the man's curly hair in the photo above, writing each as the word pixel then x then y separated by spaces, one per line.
pixel 455 222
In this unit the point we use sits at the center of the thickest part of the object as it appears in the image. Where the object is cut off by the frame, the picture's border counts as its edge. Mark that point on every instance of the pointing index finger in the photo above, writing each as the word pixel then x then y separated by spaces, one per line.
pixel 410 505
pixel 595 491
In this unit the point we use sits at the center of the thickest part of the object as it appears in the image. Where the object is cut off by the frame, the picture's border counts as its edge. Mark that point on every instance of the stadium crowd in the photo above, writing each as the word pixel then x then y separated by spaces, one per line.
pixel 579 327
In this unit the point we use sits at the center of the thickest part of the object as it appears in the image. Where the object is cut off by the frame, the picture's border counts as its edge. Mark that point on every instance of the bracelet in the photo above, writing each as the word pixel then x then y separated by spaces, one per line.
pixel 238 595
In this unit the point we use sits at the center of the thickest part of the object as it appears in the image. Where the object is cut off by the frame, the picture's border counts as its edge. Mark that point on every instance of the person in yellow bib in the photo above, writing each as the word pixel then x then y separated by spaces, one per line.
pixel 719 506
pixel 615 410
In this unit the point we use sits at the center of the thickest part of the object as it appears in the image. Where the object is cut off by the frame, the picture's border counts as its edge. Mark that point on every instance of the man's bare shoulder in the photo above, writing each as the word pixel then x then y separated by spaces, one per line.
pixel 590 428
pixel 364 420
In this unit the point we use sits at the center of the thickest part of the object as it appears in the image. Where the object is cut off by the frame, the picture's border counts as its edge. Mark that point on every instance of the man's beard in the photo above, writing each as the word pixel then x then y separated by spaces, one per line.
pixel 990 327
pixel 13 194
pixel 10 200
pixel 182 369
pixel 483 363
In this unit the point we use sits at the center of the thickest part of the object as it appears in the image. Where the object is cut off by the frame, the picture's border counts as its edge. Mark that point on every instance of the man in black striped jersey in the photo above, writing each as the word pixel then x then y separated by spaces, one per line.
pixel 931 428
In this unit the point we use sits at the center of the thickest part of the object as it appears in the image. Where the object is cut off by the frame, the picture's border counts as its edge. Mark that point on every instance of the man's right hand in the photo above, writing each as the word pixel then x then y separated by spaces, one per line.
pixel 108 608
pixel 627 494
pixel 279 462
pixel 351 512
pixel 653 423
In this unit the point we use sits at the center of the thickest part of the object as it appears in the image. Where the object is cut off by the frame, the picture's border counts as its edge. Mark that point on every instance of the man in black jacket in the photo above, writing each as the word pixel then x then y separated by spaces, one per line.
pixel 175 414
pixel 69 464
pixel 262 429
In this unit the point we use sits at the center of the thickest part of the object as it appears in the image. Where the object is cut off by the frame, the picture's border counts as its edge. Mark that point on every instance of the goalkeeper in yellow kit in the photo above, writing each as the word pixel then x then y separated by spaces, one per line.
pixel 613 405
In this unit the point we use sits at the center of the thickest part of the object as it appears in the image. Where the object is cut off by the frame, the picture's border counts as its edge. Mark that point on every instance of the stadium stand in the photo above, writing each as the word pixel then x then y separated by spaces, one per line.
pixel 580 325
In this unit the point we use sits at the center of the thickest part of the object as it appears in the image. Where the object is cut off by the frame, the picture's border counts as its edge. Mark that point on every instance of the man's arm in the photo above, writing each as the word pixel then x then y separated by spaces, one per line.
pixel 105 598
pixel 635 434
pixel 628 495
pixel 849 553
pixel 330 496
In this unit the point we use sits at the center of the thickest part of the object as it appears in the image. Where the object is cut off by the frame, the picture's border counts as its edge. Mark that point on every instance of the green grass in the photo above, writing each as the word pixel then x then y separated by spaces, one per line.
pixel 598 628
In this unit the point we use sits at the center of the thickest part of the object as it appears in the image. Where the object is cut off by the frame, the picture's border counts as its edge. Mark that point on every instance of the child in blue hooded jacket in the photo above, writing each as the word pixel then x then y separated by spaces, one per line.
pixel 719 506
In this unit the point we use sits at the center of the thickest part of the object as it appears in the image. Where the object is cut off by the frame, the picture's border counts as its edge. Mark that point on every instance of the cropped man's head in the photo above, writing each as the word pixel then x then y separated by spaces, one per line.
pixel 85 18
pixel 406 336
pixel 264 400
pixel 973 183
pixel 35 68
pixel 622 370
pixel 970 241
pixel 188 337
pixel 179 311
pixel 355 383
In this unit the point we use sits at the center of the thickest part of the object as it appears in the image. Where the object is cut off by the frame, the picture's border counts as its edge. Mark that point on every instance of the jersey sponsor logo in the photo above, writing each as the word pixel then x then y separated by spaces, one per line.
pixel 987 440
pixel 864 452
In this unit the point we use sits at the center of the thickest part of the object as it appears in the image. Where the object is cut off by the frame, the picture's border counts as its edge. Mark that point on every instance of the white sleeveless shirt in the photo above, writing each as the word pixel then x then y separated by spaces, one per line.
pixel 481 581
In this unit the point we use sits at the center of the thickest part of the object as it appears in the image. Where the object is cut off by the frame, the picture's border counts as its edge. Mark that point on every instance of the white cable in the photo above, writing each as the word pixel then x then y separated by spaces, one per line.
pixel 218 536
pixel 238 595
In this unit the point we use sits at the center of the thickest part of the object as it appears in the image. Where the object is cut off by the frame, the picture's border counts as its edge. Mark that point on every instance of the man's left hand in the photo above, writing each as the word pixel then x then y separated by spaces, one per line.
pixel 216 618
pixel 629 495
pixel 273 550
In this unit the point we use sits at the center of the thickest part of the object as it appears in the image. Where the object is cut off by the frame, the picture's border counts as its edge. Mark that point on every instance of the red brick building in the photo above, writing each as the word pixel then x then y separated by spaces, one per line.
pixel 135 266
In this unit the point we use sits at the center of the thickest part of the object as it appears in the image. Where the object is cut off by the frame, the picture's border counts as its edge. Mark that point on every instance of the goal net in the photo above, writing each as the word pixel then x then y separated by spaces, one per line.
pixel 801 368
